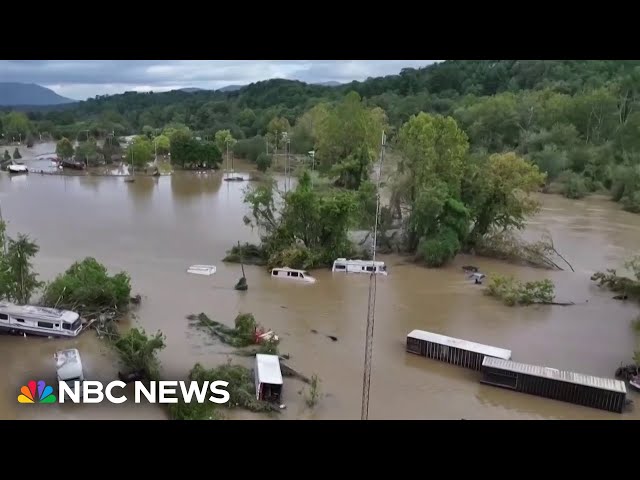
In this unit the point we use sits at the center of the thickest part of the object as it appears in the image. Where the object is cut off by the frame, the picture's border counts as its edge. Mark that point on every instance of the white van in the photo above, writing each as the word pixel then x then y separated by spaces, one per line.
pixel 292 274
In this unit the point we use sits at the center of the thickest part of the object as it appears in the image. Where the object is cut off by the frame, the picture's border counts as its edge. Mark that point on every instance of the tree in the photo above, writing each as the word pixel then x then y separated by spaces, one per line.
pixel 6 156
pixel 140 152
pixel 16 125
pixel 263 162
pixel 64 148
pixel 350 134
pixel 16 154
pixel 427 187
pixel 162 144
pixel 497 189
pixel 87 152
pixel 19 282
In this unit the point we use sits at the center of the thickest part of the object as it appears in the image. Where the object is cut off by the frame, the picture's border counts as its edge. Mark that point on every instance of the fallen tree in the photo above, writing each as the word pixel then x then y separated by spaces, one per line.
pixel 505 245
pixel 513 292
pixel 241 388
pixel 627 287
pixel 87 288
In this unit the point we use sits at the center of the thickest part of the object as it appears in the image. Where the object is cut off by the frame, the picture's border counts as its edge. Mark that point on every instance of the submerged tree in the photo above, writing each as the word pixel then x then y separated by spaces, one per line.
pixel 18 279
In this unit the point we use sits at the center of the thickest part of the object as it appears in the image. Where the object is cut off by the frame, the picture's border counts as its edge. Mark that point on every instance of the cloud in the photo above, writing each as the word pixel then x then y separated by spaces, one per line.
pixel 80 79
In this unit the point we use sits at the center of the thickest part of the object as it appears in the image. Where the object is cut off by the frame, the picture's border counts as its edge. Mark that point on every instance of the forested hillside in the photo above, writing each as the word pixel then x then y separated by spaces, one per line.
pixel 579 121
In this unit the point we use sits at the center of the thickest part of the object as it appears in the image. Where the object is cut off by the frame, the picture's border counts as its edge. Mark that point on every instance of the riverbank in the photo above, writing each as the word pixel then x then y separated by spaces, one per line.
pixel 155 229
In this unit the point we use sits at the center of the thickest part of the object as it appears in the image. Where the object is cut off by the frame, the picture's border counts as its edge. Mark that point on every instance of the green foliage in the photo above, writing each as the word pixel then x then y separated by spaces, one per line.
pixel 138 352
pixel 250 148
pixel 575 186
pixel 6 156
pixel 309 230
pixel 624 285
pixel 87 151
pixel 512 292
pixel 241 386
pixel 18 281
pixel 64 148
pixel 16 154
pixel 141 151
pixel 439 249
pixel 263 162
pixel 313 395
pixel 189 153
pixel 242 335
pixel 87 288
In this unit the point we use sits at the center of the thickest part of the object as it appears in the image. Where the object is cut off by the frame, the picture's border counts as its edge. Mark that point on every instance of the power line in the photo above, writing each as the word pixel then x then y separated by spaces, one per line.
pixel 368 351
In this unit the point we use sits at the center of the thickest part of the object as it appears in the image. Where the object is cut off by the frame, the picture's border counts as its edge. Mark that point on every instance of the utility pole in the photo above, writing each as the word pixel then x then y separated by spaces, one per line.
pixel 368 351
pixel 4 234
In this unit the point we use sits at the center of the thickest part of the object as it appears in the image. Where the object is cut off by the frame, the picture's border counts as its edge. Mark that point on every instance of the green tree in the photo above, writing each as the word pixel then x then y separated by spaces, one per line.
pixel 16 154
pixel 64 148
pixel 263 162
pixel 7 156
pixel 429 176
pixel 498 189
pixel 140 152
pixel 162 144
pixel 18 278
pixel 16 125
pixel 349 136
pixel 87 152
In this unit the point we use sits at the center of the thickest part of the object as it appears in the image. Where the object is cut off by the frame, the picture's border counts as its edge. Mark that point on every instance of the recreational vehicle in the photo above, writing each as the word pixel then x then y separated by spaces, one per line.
pixel 33 320
pixel 292 274
pixel 268 378
pixel 359 266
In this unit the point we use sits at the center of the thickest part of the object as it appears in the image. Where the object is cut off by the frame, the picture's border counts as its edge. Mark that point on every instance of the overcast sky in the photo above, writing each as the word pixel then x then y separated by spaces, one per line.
pixel 80 79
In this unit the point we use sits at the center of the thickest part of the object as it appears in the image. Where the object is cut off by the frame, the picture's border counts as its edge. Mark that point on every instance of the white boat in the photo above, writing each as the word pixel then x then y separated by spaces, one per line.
pixel 69 366
pixel 202 269
pixel 292 274
pixel 48 322
pixel 17 168
pixel 359 266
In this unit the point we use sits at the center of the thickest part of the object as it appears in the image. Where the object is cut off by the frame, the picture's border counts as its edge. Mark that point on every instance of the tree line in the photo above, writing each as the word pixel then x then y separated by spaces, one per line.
pixel 576 120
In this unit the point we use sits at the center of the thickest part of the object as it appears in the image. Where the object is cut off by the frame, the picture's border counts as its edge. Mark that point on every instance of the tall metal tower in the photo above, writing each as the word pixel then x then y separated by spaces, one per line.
pixel 368 351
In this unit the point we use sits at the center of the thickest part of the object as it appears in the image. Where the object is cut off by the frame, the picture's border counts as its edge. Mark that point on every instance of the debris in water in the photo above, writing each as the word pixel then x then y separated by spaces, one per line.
pixel 335 339
pixel 314 331
pixel 283 406
pixel 241 285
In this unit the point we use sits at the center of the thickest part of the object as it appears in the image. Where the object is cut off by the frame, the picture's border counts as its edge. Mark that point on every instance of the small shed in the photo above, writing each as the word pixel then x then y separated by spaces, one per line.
pixel 268 378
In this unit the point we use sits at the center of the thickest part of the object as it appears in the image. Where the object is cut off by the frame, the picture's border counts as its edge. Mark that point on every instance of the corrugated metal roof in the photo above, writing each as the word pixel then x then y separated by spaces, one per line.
pixel 555 374
pixel 461 344
pixel 268 367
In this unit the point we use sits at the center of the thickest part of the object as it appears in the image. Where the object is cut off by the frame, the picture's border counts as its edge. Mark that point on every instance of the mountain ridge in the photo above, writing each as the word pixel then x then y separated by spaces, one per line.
pixel 30 94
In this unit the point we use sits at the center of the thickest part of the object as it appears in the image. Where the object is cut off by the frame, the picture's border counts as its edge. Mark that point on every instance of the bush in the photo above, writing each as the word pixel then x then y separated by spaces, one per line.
pixel 137 352
pixel 513 292
pixel 87 288
pixel 575 187
pixel 264 162
pixel 292 257
pixel 440 249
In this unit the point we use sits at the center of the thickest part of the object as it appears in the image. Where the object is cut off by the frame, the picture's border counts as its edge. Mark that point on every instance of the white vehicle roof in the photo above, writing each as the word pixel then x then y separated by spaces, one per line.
pixel 268 367
pixel 69 364
pixel 43 313
pixel 359 262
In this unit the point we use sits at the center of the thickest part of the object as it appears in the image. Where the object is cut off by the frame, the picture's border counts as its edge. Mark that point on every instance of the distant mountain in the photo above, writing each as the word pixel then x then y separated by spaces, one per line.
pixel 29 94
pixel 329 84
pixel 230 88
pixel 191 90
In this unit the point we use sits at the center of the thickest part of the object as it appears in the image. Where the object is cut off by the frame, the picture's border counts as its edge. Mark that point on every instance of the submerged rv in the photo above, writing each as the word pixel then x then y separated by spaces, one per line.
pixel 359 266
pixel 48 322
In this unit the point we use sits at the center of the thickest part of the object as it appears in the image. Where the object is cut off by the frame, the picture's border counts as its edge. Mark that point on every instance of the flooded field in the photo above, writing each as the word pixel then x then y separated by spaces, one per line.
pixel 156 227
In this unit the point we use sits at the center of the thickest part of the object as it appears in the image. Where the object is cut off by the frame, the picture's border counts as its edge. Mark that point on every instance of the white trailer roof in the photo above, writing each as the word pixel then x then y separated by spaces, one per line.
pixel 268 367
pixel 555 374
pixel 461 344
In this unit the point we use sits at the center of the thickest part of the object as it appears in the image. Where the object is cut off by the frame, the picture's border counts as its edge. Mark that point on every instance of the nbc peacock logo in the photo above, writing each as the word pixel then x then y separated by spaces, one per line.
pixel 38 392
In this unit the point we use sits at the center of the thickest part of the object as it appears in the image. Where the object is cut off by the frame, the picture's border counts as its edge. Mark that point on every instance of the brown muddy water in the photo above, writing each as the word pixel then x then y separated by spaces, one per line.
pixel 156 227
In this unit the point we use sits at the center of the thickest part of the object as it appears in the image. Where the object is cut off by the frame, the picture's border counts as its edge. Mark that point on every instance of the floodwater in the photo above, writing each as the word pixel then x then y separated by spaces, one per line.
pixel 156 227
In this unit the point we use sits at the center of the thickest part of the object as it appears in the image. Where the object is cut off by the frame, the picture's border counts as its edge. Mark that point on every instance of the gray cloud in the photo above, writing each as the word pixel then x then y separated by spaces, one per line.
pixel 80 79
